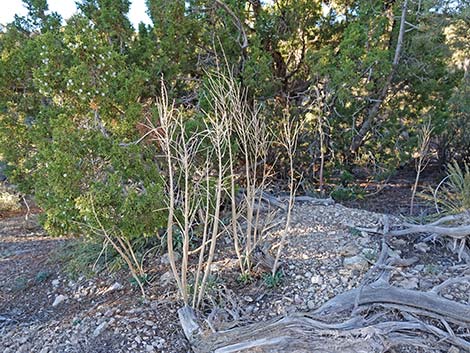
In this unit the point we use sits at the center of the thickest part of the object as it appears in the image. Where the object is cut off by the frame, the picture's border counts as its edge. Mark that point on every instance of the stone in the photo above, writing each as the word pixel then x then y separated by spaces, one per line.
pixel 422 247
pixel 109 313
pixel 311 305
pixel 59 299
pixel 166 278
pixel 100 328
pixel 316 279
pixel 115 287
pixel 409 283
pixel 349 250
pixel 399 242
pixel 247 298
pixel 355 263
pixel 158 342
pixel 55 283
pixel 165 259
pixel 297 299
pixel 425 284
pixel 419 268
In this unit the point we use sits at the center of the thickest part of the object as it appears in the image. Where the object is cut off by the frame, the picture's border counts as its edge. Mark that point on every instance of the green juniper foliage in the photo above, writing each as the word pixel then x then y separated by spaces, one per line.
pixel 77 96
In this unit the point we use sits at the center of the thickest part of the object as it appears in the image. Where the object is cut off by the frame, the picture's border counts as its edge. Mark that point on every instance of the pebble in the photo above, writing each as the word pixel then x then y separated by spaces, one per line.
pixel 422 247
pixel 100 328
pixel 316 279
pixel 116 286
pixel 355 263
pixel 297 299
pixel 166 278
pixel 59 299
pixel 349 250
pixel 409 283
pixel 311 305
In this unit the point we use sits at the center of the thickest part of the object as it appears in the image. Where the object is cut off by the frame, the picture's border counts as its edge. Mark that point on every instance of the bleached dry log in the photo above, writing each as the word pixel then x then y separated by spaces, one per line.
pixel 427 302
pixel 279 202
pixel 325 329
pixel 371 318
pixel 456 232
pixel 315 201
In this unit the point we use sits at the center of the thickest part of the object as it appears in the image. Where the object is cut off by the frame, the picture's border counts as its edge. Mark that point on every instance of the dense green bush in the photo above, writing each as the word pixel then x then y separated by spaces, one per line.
pixel 75 95
pixel 73 111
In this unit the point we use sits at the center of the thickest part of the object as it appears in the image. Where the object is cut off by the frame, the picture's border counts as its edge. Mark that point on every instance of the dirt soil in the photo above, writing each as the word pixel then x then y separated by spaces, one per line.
pixel 44 309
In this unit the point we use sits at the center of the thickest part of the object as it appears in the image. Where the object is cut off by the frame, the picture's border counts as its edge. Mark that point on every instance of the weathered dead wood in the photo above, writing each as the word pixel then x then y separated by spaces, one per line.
pixel 345 323
pixel 278 202
pixel 312 200
pixel 189 323
pixel 457 232
pixel 311 332
pixel 428 302
pixel 456 227
pixel 300 333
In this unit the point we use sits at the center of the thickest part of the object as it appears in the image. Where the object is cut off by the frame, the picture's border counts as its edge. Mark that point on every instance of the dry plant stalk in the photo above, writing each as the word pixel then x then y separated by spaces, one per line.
pixel 165 134
pixel 288 139
pixel 248 128
pixel 124 248
pixel 422 158
pixel 189 172
pixel 219 137
pixel 192 168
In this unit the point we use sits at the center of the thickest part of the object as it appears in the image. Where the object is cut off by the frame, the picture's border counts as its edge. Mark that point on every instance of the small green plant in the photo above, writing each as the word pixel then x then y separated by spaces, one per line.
pixel 80 256
pixel 454 196
pixel 354 232
pixel 384 175
pixel 431 269
pixel 272 281
pixel 21 283
pixel 143 279
pixel 245 278
pixel 370 255
pixel 42 276
pixel 346 178
pixel 341 193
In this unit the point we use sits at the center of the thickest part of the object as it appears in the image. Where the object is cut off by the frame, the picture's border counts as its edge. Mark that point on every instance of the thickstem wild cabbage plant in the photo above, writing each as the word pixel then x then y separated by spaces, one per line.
pixel 201 178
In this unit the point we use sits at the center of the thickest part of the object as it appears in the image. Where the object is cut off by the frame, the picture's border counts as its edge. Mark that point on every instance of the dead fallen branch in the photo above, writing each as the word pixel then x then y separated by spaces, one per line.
pixel 322 331
pixel 312 332
pixel 374 317
pixel 371 318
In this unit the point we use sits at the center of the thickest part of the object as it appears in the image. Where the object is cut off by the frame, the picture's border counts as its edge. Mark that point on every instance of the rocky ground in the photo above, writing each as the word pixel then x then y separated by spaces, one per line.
pixel 44 309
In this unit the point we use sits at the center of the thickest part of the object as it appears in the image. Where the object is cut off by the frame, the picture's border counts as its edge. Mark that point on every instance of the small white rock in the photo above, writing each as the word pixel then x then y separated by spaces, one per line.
pixel 101 327
pixel 166 278
pixel 355 262
pixel 410 283
pixel 116 286
pixel 316 279
pixel 59 299
pixel 422 247
pixel 55 283
pixel 311 305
